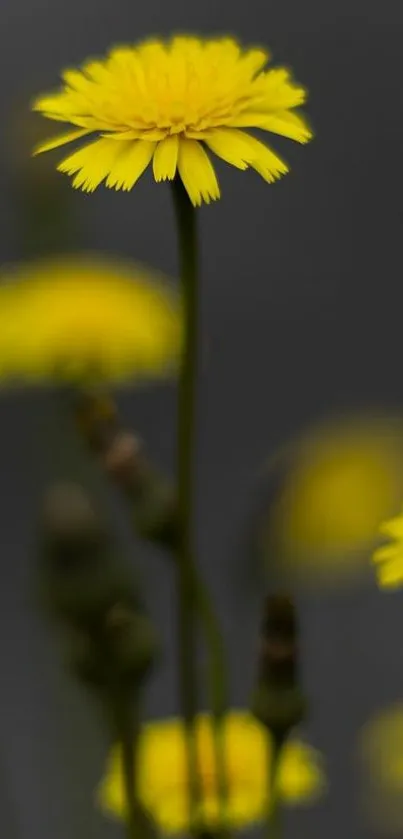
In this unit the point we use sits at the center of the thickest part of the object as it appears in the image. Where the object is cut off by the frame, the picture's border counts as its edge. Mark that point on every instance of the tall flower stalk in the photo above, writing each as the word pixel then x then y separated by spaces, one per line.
pixel 192 595
pixel 125 726
pixel 274 824
pixel 186 628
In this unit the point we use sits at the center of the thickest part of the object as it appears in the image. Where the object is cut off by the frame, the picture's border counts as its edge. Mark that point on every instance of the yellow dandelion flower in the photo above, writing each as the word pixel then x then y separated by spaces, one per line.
pixel 388 559
pixel 81 316
pixel 340 482
pixel 167 103
pixel 163 777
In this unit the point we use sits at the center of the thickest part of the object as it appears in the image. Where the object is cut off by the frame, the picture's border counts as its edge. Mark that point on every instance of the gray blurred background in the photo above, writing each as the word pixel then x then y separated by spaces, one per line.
pixel 301 317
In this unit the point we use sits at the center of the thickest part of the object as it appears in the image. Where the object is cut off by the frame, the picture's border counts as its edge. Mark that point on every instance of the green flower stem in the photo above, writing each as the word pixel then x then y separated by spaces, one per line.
pixel 193 596
pixel 125 727
pixel 274 751
pixel 217 678
pixel 186 629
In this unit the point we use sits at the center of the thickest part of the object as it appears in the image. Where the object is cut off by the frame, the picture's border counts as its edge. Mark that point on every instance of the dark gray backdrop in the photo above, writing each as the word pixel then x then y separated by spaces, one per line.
pixel 301 308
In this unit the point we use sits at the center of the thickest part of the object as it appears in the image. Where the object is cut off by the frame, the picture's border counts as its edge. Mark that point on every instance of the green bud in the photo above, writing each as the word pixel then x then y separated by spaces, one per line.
pixel 279 702
pixel 279 709
pixel 154 512
pixel 83 596
pixel 120 653
pixel 80 577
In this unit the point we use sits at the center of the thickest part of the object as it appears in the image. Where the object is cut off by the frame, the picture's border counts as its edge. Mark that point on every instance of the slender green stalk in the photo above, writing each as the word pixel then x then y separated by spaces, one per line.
pixel 274 821
pixel 193 596
pixel 218 685
pixel 186 629
pixel 126 729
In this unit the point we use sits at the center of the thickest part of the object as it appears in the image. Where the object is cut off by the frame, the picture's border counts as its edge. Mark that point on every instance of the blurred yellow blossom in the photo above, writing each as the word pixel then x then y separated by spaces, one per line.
pixel 340 481
pixel 165 103
pixel 80 316
pixel 388 560
pixel 162 773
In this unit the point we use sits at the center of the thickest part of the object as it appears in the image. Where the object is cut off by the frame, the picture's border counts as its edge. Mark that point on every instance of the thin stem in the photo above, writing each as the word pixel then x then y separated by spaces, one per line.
pixel 274 821
pixel 126 729
pixel 218 684
pixel 193 595
pixel 186 630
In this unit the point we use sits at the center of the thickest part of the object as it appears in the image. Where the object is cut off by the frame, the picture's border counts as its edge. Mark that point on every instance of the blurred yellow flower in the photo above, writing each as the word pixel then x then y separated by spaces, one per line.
pixel 388 560
pixel 165 102
pixel 162 773
pixel 86 316
pixel 341 481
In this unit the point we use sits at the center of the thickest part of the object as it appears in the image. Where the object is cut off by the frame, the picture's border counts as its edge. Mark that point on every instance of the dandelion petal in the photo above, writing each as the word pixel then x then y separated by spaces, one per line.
pixel 385 554
pixel 197 173
pixel 393 528
pixel 253 61
pixel 279 91
pixel 232 146
pixel 52 104
pixel 128 168
pixel 76 80
pixel 390 574
pixel 166 158
pixel 92 163
pixel 284 123
pixel 60 140
pixel 136 134
pixel 240 149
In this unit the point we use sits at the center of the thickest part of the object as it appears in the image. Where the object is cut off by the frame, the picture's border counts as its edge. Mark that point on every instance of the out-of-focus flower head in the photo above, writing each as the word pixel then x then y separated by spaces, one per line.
pixel 334 488
pixel 166 103
pixel 388 559
pixel 381 759
pixel 163 776
pixel 86 317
